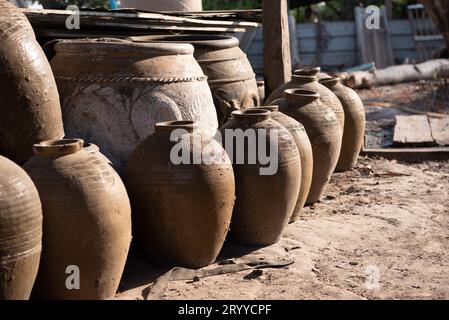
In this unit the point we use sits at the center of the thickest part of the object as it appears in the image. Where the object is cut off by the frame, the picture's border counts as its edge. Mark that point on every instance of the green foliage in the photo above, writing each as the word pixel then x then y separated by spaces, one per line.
pixel 231 4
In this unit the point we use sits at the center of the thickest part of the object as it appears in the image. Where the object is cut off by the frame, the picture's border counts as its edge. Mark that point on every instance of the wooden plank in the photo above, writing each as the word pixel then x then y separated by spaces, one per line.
pixel 412 130
pixel 277 61
pixel 410 155
pixel 440 130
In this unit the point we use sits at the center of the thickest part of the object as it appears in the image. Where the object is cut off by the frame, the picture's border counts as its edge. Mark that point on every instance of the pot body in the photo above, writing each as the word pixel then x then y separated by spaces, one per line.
pixel 30 110
pixel 354 133
pixel 114 91
pixel 264 200
pixel 324 132
pixel 20 232
pixel 327 97
pixel 229 72
pixel 181 210
pixel 302 141
pixel 87 222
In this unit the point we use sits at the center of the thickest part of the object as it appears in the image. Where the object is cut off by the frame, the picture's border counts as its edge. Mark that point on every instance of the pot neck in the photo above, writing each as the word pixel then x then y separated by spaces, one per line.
pixel 252 114
pixel 300 98
pixel 170 126
pixel 330 82
pixel 58 148
pixel 267 108
pixel 314 71
pixel 301 79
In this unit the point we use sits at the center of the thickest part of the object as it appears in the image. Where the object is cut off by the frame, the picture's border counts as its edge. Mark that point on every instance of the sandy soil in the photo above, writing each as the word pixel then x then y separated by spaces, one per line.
pixel 382 233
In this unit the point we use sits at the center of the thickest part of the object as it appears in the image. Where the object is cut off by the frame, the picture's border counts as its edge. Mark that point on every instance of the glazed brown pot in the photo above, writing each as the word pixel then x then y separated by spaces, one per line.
pixel 114 91
pixel 265 200
pixel 20 232
pixel 302 141
pixel 30 111
pixel 306 82
pixel 181 211
pixel 87 221
pixel 230 75
pixel 354 133
pixel 323 129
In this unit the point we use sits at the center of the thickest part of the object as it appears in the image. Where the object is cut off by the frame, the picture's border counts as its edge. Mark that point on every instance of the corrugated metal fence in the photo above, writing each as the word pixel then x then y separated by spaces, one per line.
pixel 339 45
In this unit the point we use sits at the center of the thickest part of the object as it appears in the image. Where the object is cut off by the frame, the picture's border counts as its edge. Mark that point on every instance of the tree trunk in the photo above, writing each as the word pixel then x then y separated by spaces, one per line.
pixel 439 12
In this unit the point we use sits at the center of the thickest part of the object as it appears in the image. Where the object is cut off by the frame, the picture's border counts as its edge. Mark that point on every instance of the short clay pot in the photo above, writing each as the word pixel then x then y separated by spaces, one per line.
pixel 87 222
pixel 181 210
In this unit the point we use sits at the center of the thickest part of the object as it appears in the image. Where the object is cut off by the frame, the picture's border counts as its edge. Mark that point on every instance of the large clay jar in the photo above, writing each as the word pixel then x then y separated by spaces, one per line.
pixel 354 133
pixel 310 82
pixel 230 75
pixel 114 91
pixel 30 110
pixel 87 222
pixel 266 189
pixel 324 132
pixel 302 141
pixel 20 232
pixel 182 190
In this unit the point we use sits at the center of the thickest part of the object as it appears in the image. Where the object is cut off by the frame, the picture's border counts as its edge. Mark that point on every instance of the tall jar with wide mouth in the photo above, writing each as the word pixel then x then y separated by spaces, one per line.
pixel 267 170
pixel 324 132
pixel 354 133
pixel 310 82
pixel 230 75
pixel 182 190
pixel 86 225
pixel 114 91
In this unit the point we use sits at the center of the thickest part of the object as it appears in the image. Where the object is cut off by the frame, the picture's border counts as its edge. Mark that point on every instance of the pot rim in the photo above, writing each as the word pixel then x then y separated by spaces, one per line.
pixel 112 46
pixel 330 82
pixel 272 108
pixel 198 41
pixel 252 113
pixel 169 126
pixel 301 96
pixel 308 71
pixel 58 147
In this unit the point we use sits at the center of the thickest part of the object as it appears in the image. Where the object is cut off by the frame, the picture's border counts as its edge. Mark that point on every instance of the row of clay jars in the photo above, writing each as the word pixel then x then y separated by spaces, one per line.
pixel 323 129
pixel 230 75
pixel 302 141
pixel 354 132
pixel 86 221
pixel 182 190
pixel 265 200
pixel 30 110
pixel 20 232
pixel 354 116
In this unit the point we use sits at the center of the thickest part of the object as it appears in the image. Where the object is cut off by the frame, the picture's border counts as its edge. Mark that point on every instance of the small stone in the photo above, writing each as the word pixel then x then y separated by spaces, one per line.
pixel 353 263
pixel 331 197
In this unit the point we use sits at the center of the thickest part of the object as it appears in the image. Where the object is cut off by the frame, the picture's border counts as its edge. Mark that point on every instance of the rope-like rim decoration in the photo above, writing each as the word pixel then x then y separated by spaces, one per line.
pixel 244 56
pixel 224 81
pixel 130 79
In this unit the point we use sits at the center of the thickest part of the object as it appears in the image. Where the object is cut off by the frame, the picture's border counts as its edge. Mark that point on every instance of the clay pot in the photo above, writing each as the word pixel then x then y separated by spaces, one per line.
pixel 181 210
pixel 302 141
pixel 265 199
pixel 324 132
pixel 306 82
pixel 311 71
pixel 30 110
pixel 20 232
pixel 230 75
pixel 114 91
pixel 354 133
pixel 87 222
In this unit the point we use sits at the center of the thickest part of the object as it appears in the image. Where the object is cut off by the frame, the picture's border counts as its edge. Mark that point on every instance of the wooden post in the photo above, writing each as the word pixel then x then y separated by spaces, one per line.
pixel 277 61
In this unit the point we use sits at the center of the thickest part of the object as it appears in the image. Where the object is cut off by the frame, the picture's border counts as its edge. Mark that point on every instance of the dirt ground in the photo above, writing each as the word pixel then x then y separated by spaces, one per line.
pixel 382 232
